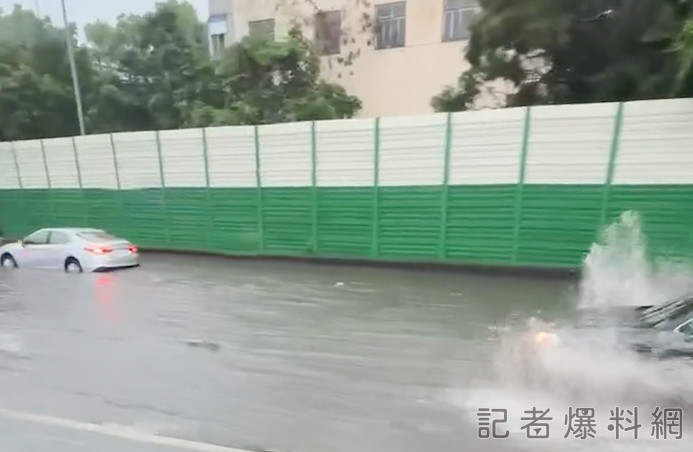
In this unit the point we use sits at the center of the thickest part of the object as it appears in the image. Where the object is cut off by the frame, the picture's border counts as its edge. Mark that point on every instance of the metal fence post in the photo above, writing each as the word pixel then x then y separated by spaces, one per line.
pixel 314 183
pixel 24 209
pixel 77 166
pixel 445 192
pixel 519 190
pixel 48 182
pixel 119 191
pixel 164 200
pixel 375 248
pixel 210 222
pixel 115 161
pixel 258 180
pixel 611 167
pixel 85 204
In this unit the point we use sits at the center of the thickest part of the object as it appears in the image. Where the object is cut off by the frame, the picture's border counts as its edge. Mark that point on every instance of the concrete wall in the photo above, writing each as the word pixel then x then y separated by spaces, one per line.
pixel 522 187
pixel 396 81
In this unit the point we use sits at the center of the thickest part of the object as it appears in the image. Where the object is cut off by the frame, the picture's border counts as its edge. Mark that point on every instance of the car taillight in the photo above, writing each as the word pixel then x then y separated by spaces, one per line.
pixel 98 249
pixel 133 249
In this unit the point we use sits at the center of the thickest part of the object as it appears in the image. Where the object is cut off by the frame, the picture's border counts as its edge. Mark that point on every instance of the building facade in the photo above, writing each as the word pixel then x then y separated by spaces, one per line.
pixel 394 55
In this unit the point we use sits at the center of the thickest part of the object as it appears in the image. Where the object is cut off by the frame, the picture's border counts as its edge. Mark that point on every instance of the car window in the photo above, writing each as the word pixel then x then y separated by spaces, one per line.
pixel 97 236
pixel 37 238
pixel 58 238
pixel 687 328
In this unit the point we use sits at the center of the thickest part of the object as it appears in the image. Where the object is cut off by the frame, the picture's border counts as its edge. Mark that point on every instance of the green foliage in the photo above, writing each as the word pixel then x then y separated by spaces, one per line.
pixel 154 72
pixel 567 51
pixel 265 81
pixel 462 96
pixel 36 95
pixel 683 46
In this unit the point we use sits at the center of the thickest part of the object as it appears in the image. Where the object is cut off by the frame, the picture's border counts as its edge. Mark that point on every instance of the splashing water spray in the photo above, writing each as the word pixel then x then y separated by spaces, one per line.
pixel 589 368
pixel 617 270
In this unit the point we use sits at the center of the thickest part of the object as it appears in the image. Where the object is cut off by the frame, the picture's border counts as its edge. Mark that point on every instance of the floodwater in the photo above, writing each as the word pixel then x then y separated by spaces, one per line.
pixel 186 353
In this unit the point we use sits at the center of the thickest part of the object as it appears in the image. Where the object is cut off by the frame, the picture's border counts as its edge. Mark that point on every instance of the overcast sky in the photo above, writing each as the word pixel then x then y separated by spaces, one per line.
pixel 82 12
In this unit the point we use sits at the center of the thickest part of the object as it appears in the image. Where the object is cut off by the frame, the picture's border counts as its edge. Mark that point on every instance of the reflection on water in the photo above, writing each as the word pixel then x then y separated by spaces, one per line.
pixel 301 357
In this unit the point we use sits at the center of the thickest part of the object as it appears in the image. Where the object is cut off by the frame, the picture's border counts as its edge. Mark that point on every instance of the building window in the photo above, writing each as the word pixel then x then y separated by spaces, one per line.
pixel 218 44
pixel 457 18
pixel 390 25
pixel 262 28
pixel 217 34
pixel 328 32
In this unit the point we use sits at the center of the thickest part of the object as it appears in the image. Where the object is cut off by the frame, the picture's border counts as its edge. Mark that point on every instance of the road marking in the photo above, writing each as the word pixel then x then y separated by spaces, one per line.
pixel 117 431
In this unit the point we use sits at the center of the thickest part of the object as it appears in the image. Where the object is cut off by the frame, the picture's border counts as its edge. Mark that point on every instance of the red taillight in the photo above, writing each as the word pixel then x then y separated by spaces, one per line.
pixel 98 249
pixel 133 249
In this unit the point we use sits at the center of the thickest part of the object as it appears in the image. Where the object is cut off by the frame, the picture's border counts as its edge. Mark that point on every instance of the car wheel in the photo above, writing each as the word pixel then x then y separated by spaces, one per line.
pixel 8 261
pixel 72 265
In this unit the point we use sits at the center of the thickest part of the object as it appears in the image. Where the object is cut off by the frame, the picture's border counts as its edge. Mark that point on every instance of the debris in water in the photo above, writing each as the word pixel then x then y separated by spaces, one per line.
pixel 339 284
pixel 203 343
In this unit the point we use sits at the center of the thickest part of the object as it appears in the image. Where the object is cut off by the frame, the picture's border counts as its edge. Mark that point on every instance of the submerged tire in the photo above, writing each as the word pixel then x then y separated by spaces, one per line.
pixel 8 261
pixel 72 265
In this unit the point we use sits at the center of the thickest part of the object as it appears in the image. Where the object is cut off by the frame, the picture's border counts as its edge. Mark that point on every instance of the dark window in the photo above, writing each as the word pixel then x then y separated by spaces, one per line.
pixel 97 236
pixel 218 34
pixel 37 238
pixel 262 28
pixel 390 25
pixel 58 238
pixel 218 44
pixel 328 32
pixel 457 19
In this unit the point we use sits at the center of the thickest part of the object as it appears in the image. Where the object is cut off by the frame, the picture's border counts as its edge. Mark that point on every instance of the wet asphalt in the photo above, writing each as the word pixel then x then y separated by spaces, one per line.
pixel 193 353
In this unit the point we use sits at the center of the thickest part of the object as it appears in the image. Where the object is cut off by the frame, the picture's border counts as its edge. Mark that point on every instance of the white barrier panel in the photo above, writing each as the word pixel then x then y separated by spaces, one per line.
pixel 96 161
pixel 345 153
pixel 62 163
pixel 138 159
pixel 412 150
pixel 286 158
pixel 486 147
pixel 231 156
pixel 570 144
pixel 9 179
pixel 183 159
pixel 31 164
pixel 656 145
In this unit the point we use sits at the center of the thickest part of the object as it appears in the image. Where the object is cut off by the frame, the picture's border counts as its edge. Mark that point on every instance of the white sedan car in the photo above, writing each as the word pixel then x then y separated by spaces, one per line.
pixel 71 249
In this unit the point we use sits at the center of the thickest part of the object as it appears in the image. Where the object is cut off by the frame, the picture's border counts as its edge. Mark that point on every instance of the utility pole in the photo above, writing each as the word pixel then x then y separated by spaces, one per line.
pixel 73 70
pixel 38 9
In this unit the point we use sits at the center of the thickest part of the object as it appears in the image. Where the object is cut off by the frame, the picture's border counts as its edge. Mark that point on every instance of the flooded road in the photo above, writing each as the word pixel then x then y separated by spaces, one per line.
pixel 260 356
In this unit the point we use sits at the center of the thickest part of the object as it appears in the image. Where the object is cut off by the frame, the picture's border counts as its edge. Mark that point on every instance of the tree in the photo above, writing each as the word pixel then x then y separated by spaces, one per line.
pixel 355 31
pixel 264 81
pixel 154 72
pixel 156 67
pixel 683 47
pixel 36 93
pixel 160 70
pixel 566 51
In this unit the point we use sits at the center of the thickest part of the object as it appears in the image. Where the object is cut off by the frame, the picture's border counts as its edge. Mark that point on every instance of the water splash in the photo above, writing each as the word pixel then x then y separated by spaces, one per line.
pixel 617 271
pixel 591 369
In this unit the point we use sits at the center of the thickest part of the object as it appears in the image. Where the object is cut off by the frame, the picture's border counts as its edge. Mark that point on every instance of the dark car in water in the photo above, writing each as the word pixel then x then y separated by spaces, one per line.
pixel 660 331
pixel 657 332
pixel 644 352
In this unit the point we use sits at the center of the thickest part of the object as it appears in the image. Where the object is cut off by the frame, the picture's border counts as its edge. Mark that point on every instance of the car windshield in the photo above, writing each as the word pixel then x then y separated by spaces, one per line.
pixel 97 236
